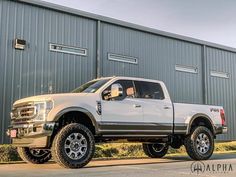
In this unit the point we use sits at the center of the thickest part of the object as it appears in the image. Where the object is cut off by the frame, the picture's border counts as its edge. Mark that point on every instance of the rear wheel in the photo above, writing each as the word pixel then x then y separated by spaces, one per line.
pixel 73 146
pixel 157 150
pixel 200 143
pixel 35 156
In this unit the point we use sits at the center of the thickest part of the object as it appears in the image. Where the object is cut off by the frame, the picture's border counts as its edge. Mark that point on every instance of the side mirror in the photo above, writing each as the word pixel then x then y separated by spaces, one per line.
pixel 116 90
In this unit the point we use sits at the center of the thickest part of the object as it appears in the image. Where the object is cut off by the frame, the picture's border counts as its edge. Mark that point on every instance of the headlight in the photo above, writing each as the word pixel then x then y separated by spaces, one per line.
pixel 42 110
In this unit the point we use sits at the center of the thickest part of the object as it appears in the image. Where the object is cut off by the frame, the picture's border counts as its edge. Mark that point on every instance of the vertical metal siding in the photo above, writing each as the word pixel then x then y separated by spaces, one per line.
pixel 221 91
pixel 157 57
pixel 36 70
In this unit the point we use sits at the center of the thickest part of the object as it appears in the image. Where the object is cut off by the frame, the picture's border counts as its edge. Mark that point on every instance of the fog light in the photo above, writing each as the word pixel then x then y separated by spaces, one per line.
pixel 49 126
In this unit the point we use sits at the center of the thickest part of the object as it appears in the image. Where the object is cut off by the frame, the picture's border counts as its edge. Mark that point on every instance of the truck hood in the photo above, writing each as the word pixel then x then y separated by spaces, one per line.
pixel 61 96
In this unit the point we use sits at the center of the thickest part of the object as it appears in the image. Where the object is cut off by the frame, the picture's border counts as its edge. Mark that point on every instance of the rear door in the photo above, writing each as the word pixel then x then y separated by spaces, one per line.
pixel 157 109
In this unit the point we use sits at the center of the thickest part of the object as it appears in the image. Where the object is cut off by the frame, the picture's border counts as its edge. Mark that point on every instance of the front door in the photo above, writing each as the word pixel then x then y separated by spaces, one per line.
pixel 122 114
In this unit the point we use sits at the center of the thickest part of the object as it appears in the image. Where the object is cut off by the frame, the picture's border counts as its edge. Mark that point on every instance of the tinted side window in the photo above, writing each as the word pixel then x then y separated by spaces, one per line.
pixel 126 84
pixel 148 90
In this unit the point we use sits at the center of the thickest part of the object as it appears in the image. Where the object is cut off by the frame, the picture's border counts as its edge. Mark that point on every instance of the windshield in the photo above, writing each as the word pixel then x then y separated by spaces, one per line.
pixel 91 87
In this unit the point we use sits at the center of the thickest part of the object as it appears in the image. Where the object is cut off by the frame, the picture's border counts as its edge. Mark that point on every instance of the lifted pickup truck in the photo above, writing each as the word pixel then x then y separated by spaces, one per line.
pixel 67 126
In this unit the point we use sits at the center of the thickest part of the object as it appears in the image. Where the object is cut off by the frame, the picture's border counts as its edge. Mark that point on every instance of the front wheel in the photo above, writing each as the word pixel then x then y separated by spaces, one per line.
pixel 200 143
pixel 157 150
pixel 73 146
pixel 35 156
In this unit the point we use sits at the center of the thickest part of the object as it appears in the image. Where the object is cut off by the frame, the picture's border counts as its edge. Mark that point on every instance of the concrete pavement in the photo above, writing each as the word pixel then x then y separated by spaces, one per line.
pixel 218 165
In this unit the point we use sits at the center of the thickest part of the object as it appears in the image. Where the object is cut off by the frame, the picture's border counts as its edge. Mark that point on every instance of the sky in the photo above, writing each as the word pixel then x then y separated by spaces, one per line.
pixel 209 20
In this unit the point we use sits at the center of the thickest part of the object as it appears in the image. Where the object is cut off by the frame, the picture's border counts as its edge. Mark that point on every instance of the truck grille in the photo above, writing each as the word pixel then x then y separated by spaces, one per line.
pixel 23 113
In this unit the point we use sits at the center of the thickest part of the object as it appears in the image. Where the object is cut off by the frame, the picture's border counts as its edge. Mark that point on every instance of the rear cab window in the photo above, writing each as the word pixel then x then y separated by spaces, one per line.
pixel 148 90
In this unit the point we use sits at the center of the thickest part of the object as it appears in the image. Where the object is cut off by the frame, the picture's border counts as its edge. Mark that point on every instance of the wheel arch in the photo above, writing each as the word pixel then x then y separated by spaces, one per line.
pixel 201 119
pixel 79 110
pixel 86 116
pixel 86 119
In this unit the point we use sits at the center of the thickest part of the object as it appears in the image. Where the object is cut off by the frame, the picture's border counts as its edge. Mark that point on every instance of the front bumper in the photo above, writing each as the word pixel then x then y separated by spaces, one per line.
pixel 31 134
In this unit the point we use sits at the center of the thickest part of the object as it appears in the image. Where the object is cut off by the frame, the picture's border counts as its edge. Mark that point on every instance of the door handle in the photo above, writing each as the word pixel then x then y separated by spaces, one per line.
pixel 167 107
pixel 137 106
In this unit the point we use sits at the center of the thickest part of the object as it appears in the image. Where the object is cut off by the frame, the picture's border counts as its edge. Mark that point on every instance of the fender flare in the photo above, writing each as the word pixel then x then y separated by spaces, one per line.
pixel 204 116
pixel 78 109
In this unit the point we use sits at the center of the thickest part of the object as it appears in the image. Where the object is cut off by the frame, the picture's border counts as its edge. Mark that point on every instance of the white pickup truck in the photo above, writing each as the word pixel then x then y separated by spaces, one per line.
pixel 67 126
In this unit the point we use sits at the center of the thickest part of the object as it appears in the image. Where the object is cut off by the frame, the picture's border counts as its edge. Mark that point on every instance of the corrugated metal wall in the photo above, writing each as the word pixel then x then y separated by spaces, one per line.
pixel 36 70
pixel 157 57
pixel 220 90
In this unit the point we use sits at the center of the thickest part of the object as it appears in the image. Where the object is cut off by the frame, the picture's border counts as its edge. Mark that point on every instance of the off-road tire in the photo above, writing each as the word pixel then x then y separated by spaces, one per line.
pixel 26 154
pixel 190 143
pixel 59 152
pixel 150 151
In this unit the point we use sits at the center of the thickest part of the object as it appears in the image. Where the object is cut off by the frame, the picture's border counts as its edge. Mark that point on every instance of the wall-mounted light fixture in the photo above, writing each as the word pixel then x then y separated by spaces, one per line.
pixel 19 44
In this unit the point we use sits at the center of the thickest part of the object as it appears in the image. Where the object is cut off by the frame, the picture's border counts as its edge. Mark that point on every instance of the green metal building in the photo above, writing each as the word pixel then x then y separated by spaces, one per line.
pixel 46 48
